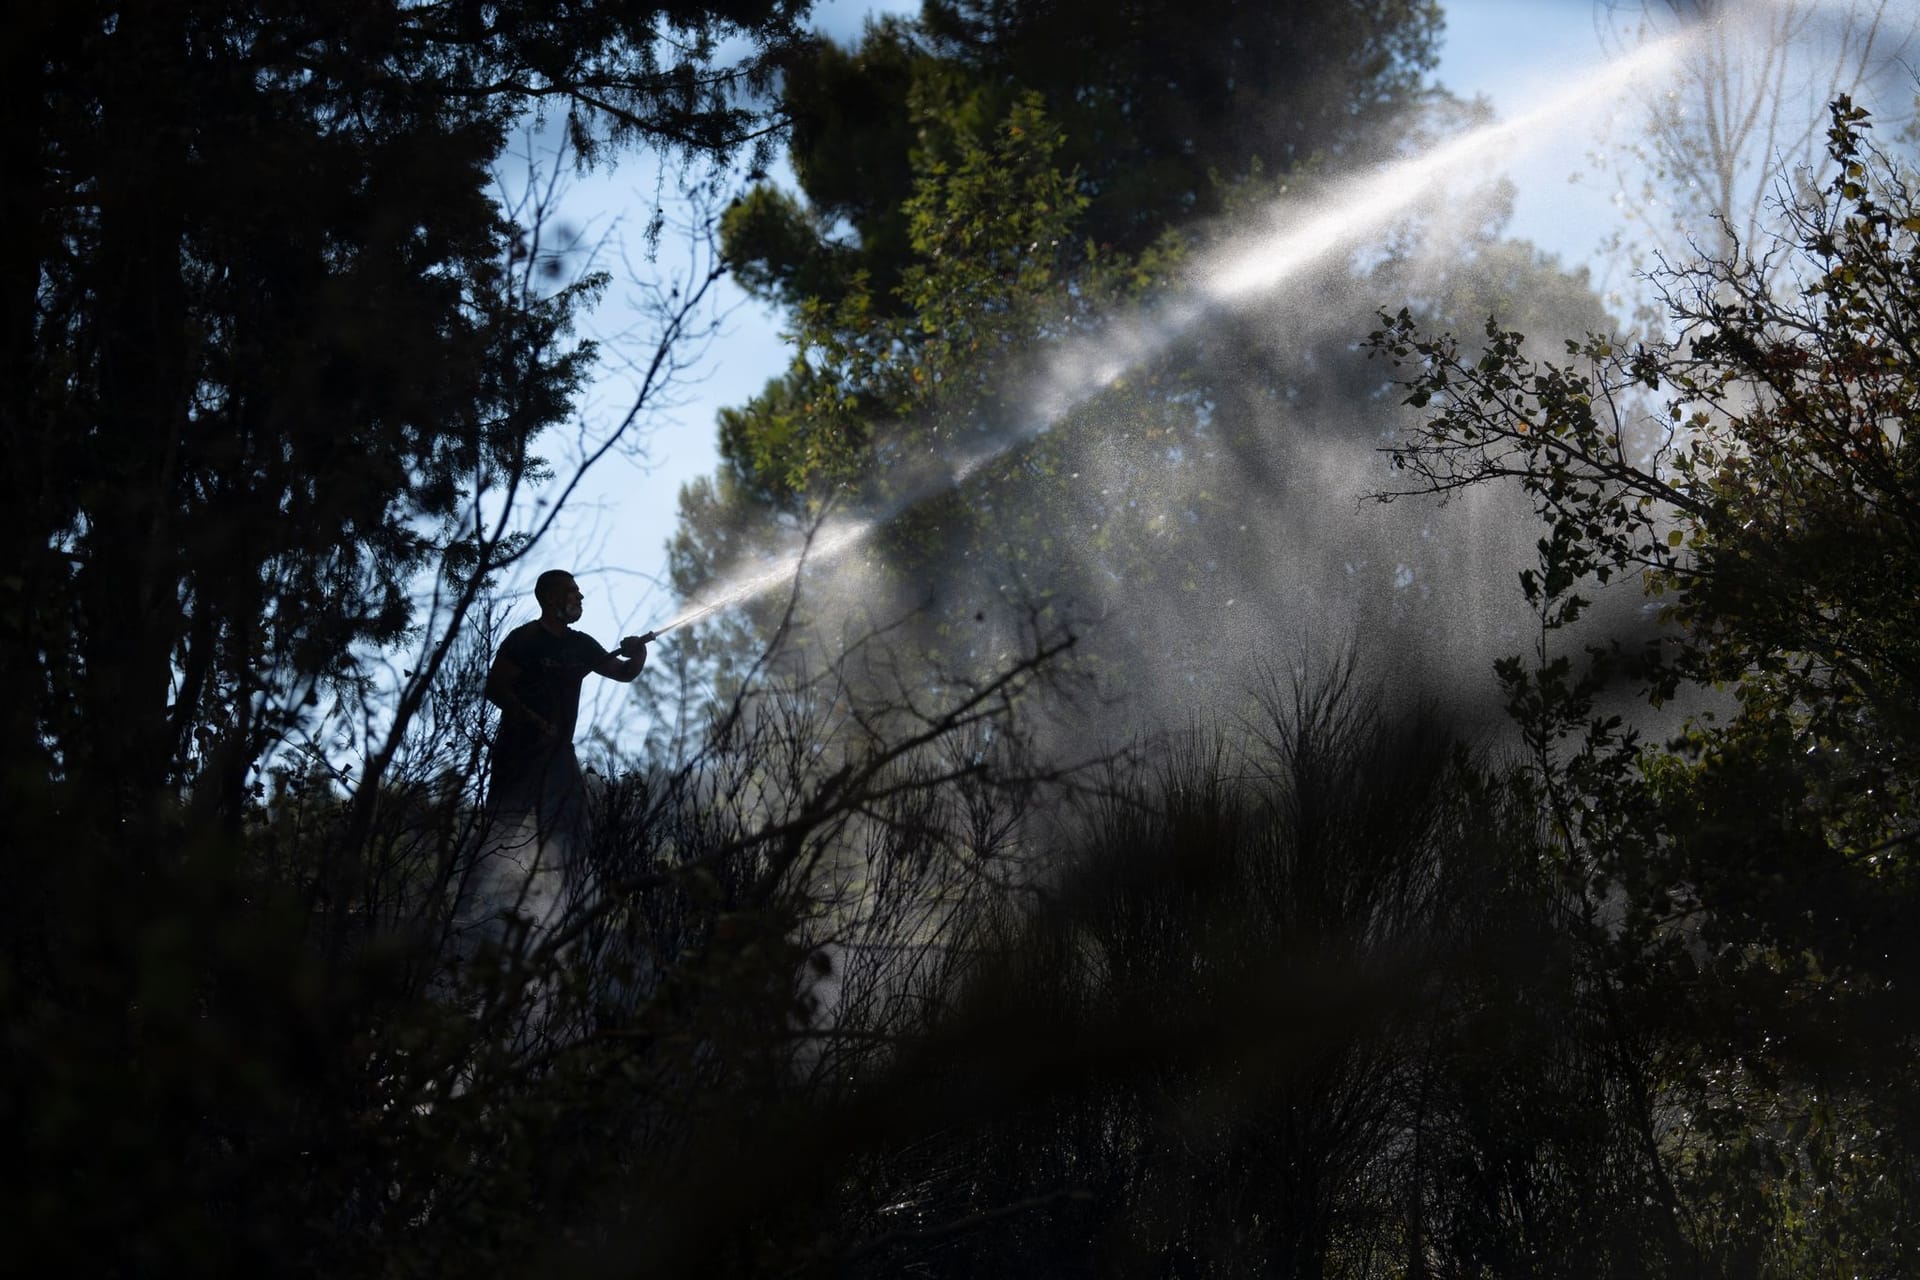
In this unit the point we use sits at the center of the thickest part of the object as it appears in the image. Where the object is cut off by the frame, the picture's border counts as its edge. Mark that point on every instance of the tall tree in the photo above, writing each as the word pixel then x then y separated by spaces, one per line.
pixel 268 351
pixel 1757 871
pixel 274 360
pixel 1159 108
pixel 969 234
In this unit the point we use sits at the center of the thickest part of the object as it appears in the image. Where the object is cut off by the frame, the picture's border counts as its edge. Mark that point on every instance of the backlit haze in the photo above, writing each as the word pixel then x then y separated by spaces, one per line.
pixel 1562 92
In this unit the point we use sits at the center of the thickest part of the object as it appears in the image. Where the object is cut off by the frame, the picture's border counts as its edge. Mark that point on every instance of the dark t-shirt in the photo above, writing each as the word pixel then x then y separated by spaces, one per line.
pixel 551 670
pixel 532 774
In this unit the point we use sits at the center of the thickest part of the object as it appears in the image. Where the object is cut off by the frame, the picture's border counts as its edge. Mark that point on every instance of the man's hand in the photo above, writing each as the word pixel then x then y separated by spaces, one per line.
pixel 624 663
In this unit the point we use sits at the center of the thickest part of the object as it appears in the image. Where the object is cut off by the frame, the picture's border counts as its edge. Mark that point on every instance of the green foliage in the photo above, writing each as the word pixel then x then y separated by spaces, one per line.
pixel 982 225
pixel 987 180
pixel 1764 858
pixel 272 346
pixel 1157 103
pixel 885 391
pixel 273 359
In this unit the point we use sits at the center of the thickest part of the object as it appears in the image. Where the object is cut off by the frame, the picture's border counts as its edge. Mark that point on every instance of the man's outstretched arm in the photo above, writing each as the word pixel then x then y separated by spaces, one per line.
pixel 624 663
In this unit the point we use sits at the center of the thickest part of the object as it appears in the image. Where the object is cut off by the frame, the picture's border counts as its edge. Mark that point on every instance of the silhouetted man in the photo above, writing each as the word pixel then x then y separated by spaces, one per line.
pixel 535 682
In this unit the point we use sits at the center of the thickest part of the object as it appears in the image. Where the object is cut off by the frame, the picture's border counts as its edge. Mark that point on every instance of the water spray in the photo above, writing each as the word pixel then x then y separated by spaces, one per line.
pixel 1248 267
pixel 824 546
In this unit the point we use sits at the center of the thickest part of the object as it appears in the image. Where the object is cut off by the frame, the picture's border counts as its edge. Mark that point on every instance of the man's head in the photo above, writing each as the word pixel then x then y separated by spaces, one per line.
pixel 559 595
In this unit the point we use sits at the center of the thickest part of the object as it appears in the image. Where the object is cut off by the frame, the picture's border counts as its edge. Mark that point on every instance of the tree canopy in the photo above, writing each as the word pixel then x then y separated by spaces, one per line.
pixel 1158 108
pixel 1756 474
pixel 272 346
pixel 956 253
pixel 275 361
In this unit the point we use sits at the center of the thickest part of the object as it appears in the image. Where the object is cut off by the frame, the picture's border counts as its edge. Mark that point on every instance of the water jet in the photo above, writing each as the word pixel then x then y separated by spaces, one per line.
pixel 1246 268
